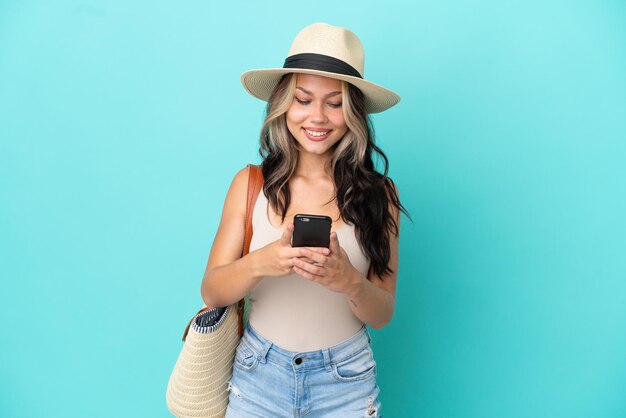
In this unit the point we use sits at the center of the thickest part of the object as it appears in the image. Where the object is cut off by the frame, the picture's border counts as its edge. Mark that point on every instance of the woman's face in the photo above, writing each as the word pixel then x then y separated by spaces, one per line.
pixel 315 117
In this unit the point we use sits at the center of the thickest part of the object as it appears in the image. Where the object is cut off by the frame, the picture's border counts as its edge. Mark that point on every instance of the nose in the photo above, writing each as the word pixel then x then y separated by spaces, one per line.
pixel 319 114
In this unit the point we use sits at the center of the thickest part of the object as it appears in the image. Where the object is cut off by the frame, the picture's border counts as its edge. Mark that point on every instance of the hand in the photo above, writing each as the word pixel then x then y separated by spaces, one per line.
pixel 329 267
pixel 276 258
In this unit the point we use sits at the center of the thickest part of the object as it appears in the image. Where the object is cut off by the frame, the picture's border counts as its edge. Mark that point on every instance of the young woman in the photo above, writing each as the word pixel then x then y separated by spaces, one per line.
pixel 306 350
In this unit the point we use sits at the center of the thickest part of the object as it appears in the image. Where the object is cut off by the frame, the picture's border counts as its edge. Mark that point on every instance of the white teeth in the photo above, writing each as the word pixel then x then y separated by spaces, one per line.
pixel 316 133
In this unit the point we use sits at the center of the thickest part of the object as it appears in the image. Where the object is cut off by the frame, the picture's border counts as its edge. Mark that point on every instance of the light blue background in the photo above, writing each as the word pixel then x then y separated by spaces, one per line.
pixel 123 122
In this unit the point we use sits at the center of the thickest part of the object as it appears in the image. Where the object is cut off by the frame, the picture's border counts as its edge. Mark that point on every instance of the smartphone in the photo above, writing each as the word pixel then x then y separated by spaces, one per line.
pixel 311 231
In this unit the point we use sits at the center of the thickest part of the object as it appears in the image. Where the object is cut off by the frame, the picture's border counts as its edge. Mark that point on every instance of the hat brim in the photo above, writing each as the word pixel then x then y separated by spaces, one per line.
pixel 261 84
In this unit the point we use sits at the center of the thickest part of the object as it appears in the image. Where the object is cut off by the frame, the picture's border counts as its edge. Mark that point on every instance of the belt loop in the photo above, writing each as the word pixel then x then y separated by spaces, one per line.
pixel 327 360
pixel 264 351
pixel 258 342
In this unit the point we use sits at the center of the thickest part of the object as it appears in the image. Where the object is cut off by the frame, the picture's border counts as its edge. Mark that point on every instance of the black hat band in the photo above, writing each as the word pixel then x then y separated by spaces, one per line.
pixel 321 62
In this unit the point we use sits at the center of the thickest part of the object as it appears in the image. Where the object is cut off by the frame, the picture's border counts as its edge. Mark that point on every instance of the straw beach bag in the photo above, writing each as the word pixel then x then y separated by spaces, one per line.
pixel 198 385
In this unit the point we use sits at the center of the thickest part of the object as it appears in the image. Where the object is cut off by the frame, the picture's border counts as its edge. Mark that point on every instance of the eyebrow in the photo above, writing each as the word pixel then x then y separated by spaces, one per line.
pixel 334 93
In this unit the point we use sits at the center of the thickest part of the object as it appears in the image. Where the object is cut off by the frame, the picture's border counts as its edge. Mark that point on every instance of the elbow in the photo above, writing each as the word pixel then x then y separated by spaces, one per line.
pixel 206 293
pixel 385 316
pixel 378 326
pixel 213 295
pixel 380 322
pixel 209 298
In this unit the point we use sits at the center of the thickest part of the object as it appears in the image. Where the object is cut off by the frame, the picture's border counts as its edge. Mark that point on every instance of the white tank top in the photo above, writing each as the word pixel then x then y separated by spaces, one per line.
pixel 294 313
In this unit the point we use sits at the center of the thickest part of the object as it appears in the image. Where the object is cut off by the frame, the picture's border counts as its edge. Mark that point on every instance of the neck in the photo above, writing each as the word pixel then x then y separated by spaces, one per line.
pixel 313 165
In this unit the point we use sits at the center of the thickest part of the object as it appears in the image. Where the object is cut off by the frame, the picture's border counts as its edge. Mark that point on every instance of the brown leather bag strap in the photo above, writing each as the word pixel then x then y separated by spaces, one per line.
pixel 255 182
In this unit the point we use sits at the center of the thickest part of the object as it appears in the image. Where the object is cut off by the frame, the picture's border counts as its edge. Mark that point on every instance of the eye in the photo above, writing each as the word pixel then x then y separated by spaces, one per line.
pixel 335 105
pixel 302 102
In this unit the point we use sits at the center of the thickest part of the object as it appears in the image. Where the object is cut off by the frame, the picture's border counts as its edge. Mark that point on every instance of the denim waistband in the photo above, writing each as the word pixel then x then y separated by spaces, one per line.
pixel 324 358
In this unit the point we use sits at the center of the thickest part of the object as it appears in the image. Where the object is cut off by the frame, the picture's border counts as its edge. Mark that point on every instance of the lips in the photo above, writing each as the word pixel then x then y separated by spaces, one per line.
pixel 316 134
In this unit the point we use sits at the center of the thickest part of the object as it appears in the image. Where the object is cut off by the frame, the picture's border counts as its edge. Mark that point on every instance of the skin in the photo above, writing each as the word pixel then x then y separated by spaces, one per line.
pixel 316 107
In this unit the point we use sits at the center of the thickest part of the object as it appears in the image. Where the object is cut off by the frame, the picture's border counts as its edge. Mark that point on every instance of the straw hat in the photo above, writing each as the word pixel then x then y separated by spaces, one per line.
pixel 326 50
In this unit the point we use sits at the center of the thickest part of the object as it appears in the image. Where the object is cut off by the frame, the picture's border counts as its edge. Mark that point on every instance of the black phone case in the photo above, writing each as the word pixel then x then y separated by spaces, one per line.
pixel 311 231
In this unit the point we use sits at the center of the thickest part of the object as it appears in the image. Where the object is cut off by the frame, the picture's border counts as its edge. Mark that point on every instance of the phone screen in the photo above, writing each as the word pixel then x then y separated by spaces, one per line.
pixel 311 231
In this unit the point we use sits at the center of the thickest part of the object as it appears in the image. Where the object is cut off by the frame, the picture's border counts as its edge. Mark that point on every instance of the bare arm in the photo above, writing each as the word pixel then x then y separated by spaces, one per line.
pixel 373 300
pixel 228 277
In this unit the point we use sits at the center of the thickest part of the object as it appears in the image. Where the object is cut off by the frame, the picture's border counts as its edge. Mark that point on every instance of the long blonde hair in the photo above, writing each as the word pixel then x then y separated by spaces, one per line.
pixel 363 195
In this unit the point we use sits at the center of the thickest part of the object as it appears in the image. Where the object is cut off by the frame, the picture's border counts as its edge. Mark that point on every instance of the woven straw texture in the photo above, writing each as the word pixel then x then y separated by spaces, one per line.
pixel 198 386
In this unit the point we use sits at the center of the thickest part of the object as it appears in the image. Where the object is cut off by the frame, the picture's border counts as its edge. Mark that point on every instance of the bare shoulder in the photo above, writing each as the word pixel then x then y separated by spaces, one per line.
pixel 242 176
pixel 228 241
pixel 235 203
pixel 239 185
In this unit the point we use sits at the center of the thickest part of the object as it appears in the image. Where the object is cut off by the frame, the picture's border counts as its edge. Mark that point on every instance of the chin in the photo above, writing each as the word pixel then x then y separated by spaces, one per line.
pixel 316 151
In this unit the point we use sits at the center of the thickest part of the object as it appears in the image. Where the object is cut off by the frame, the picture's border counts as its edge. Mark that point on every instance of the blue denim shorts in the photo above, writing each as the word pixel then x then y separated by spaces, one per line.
pixel 270 382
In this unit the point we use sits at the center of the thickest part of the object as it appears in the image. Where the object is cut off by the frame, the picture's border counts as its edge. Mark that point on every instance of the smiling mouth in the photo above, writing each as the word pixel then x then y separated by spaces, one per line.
pixel 316 134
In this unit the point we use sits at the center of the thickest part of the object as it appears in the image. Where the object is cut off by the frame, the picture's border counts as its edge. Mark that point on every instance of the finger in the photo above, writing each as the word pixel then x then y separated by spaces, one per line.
pixel 285 238
pixel 313 255
pixel 305 274
pixel 307 267
pixel 334 243
pixel 320 250
pixel 289 252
